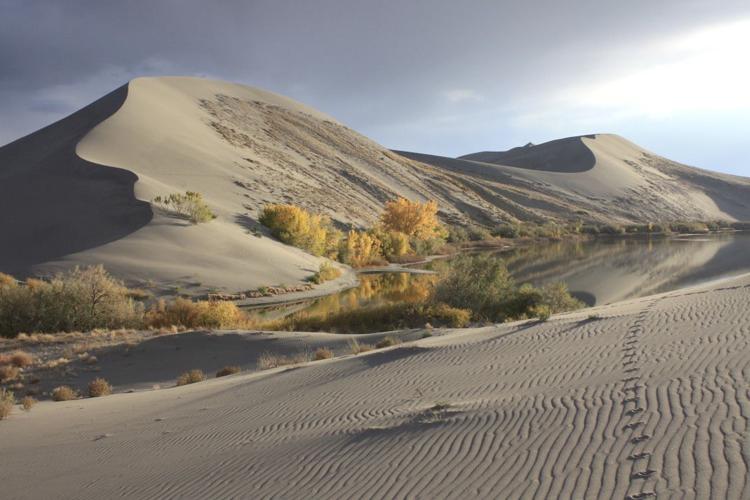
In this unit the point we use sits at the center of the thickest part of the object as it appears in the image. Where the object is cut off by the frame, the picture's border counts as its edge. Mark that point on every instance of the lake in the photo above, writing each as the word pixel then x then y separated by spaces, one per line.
pixel 598 271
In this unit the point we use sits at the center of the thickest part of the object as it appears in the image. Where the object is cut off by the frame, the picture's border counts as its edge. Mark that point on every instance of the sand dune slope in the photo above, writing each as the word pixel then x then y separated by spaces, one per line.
pixel 652 398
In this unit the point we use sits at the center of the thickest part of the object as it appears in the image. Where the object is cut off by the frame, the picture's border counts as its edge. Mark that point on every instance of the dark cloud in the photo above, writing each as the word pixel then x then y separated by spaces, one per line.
pixel 411 73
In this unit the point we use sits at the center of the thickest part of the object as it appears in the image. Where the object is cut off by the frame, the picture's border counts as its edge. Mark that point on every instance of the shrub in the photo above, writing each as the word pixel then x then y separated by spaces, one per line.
pixel 79 300
pixel 457 234
pixel 611 229
pixel 477 233
pixel 191 377
pixel 189 314
pixel 357 347
pixel 189 205
pixel 99 387
pixel 228 370
pixel 541 312
pixel 297 227
pixel 7 400
pixel 64 393
pixel 8 373
pixel 269 360
pixel 361 249
pixel 387 342
pixel 394 244
pixel 415 219
pixel 21 359
pixel 27 403
pixel 326 272
pixel 322 353
pixel 507 231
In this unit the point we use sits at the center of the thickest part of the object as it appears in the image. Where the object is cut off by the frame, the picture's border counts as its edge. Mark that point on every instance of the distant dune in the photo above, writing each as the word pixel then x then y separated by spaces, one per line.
pixel 79 191
pixel 651 396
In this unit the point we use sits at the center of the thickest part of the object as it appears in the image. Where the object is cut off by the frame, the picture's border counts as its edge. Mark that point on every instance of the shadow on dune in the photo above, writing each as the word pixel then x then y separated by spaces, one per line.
pixel 55 203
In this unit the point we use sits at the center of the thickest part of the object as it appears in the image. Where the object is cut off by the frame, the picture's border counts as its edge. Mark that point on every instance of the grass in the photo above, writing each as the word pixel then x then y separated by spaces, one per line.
pixel 228 370
pixel 20 359
pixel 269 360
pixel 7 400
pixel 64 393
pixel 191 377
pixel 27 403
pixel 357 347
pixel 99 387
pixel 387 342
pixel 326 272
pixel 322 353
pixel 8 373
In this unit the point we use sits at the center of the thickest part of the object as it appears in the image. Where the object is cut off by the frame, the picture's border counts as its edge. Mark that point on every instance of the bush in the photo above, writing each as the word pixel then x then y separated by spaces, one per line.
pixel 297 227
pixel 394 244
pixel 189 314
pixel 356 347
pixel 27 403
pixel 21 359
pixel 7 401
pixel 507 231
pixel 457 234
pixel 326 272
pixel 414 219
pixel 268 360
pixel 387 342
pixel 477 233
pixel 541 312
pixel 8 373
pixel 361 249
pixel 79 300
pixel 228 370
pixel 189 205
pixel 191 377
pixel 64 393
pixel 322 353
pixel 99 387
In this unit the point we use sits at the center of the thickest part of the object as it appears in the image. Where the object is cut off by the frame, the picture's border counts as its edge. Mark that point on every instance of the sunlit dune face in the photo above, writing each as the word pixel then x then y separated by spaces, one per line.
pixel 706 70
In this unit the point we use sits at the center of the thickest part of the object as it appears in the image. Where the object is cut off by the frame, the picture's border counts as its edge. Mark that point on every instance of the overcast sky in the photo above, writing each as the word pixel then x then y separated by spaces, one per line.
pixel 442 76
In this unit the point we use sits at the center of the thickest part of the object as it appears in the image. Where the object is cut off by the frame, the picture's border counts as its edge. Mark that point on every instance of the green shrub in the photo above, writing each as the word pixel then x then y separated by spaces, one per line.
pixel 189 205
pixel 478 233
pixel 326 272
pixel 457 234
pixel 79 300
pixel 507 231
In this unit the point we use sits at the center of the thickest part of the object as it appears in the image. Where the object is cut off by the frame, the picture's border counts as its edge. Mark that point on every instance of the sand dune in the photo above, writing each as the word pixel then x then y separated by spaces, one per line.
pixel 650 398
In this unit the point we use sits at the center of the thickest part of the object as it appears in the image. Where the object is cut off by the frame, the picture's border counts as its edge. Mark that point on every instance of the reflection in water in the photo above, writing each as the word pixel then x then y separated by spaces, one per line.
pixel 597 272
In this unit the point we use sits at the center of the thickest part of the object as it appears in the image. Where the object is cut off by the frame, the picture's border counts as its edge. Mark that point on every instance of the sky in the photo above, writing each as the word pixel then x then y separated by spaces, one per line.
pixel 440 77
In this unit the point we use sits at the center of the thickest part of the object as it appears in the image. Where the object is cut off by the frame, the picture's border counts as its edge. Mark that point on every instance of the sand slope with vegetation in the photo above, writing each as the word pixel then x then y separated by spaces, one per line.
pixel 631 400
pixel 80 191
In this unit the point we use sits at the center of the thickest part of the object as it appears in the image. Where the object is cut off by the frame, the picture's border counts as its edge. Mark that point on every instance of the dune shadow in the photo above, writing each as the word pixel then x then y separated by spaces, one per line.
pixel 55 203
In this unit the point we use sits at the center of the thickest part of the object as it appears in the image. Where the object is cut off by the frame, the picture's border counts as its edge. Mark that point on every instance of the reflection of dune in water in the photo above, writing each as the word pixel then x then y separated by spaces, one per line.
pixel 615 270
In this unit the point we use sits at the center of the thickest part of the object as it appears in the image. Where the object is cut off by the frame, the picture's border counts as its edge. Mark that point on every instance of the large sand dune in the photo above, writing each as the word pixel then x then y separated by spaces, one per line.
pixel 650 398
pixel 79 191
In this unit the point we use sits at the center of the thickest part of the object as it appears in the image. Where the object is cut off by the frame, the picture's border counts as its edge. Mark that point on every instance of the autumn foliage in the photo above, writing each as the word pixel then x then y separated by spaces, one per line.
pixel 414 219
pixel 297 227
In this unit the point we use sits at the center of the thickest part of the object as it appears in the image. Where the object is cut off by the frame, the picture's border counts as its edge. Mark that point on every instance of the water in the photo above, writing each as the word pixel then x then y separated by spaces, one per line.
pixel 597 272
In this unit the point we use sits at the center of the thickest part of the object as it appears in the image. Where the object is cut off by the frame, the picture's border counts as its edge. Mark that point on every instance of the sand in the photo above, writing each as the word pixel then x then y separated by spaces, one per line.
pixel 649 396
pixel 78 192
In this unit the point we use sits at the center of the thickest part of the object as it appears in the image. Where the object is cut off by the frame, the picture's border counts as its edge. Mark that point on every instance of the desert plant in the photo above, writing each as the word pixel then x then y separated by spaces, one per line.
pixel 326 272
pixel 191 377
pixel 415 219
pixel 64 393
pixel 27 403
pixel 189 314
pixel 297 227
pixel 393 244
pixel 387 342
pixel 357 347
pixel 8 373
pixel 7 401
pixel 361 248
pixel 542 312
pixel 322 353
pixel 189 205
pixel 99 387
pixel 228 370
pixel 21 359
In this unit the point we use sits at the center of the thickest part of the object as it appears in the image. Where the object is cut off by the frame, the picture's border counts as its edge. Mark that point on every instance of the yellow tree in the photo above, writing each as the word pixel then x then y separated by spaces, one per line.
pixel 414 219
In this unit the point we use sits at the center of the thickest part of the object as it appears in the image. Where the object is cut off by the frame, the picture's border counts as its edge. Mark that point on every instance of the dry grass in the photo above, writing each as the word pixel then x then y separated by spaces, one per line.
pixel 21 359
pixel 228 370
pixel 8 372
pixel 7 400
pixel 387 342
pixel 191 377
pixel 268 360
pixel 27 403
pixel 64 393
pixel 322 353
pixel 99 387
pixel 356 347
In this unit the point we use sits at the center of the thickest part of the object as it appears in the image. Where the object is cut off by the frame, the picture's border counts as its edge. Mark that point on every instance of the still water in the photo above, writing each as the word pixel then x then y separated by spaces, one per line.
pixel 597 272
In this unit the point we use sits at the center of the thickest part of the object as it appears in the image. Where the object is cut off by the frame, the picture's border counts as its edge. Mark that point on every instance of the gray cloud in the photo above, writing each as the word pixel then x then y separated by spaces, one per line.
pixel 395 70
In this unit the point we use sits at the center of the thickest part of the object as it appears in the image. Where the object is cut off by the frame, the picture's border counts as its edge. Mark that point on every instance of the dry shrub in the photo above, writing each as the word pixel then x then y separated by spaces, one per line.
pixel 326 272
pixel 356 347
pixel 189 205
pixel 269 360
pixel 323 353
pixel 64 393
pixel 387 342
pixel 21 359
pixel 228 370
pixel 201 314
pixel 27 403
pixel 8 372
pixel 191 377
pixel 7 400
pixel 99 387
pixel 297 227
